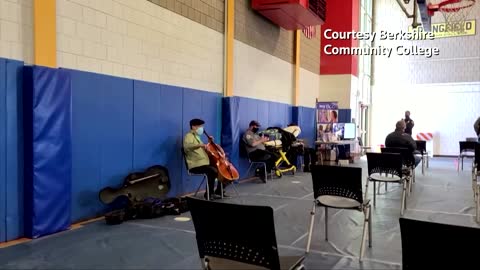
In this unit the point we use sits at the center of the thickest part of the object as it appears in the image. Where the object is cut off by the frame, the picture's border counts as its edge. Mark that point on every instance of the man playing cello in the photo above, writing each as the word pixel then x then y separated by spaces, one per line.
pixel 198 161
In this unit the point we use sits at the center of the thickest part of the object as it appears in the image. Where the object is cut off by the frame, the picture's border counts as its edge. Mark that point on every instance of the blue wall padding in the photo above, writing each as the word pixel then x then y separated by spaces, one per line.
pixel 305 119
pixel 102 139
pixel 158 129
pixel 48 150
pixel 206 106
pixel 230 131
pixel 11 150
pixel 137 124
pixel 3 150
pixel 237 112
pixel 344 115
pixel 14 187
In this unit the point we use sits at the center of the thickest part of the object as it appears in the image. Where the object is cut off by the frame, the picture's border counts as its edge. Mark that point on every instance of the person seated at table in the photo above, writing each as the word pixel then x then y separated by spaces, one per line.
pixel 256 149
pixel 399 138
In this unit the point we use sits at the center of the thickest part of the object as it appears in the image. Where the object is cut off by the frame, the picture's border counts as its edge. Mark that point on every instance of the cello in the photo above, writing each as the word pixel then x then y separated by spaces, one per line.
pixel 226 171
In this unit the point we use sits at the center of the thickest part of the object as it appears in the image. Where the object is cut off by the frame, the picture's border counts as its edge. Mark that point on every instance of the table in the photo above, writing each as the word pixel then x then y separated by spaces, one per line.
pixel 335 144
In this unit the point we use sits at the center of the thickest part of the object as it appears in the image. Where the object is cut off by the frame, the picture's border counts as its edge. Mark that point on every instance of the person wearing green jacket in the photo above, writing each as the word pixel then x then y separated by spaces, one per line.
pixel 197 158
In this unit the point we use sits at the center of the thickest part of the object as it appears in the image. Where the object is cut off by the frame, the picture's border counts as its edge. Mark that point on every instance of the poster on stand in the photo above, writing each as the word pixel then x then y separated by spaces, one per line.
pixel 327 116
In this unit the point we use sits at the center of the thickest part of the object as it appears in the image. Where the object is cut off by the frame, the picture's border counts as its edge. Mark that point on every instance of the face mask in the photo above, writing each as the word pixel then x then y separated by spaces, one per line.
pixel 255 130
pixel 199 131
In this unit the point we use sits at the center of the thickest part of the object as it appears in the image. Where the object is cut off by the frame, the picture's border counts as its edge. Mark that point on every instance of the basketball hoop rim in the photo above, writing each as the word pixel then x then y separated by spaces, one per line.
pixel 443 6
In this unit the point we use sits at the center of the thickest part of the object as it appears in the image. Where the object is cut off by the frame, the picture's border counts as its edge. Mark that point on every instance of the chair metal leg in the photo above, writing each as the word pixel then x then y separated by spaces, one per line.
pixel 374 193
pixel 386 185
pixel 458 164
pixel 370 240
pixel 366 227
pixel 366 189
pixel 221 188
pixel 403 197
pixel 266 175
pixel 201 184
pixel 235 188
pixel 208 191
pixel 312 221
pixel 249 168
pixel 462 163
pixel 423 165
pixel 326 223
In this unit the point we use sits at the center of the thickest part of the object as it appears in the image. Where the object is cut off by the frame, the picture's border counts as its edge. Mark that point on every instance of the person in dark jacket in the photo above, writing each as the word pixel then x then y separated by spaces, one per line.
pixel 409 123
pixel 399 138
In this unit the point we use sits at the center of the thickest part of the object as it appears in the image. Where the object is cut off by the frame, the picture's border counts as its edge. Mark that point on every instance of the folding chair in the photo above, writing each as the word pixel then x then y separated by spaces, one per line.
pixel 408 162
pixel 467 150
pixel 204 179
pixel 427 245
pixel 422 150
pixel 226 240
pixel 340 188
pixel 255 165
pixel 386 168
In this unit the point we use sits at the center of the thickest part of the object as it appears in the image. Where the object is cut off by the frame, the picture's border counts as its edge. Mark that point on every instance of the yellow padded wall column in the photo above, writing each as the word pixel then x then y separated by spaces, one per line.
pixel 296 88
pixel 229 42
pixel 45 33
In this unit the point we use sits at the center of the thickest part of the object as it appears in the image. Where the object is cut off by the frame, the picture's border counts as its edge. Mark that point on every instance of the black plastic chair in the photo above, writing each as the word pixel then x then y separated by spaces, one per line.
pixel 387 168
pixel 232 236
pixel 422 150
pixel 427 245
pixel 341 188
pixel 467 150
pixel 408 161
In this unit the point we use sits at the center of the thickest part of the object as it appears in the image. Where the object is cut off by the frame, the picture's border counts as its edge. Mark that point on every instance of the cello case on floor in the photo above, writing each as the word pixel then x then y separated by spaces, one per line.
pixel 137 186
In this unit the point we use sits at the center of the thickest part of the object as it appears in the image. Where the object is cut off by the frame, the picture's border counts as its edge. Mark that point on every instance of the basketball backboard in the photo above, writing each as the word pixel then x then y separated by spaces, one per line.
pixel 453 13
pixel 426 18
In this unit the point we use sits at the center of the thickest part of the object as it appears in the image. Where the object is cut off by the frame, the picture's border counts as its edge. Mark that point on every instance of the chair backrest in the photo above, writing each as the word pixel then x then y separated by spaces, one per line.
pixel 243 233
pixel 387 163
pixel 407 156
pixel 421 146
pixel 427 245
pixel 184 156
pixel 467 146
pixel 242 147
pixel 471 139
pixel 337 181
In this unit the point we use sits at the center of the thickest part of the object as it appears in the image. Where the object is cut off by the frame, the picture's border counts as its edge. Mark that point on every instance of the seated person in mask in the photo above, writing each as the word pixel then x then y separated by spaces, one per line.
pixel 399 138
pixel 197 158
pixel 256 150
